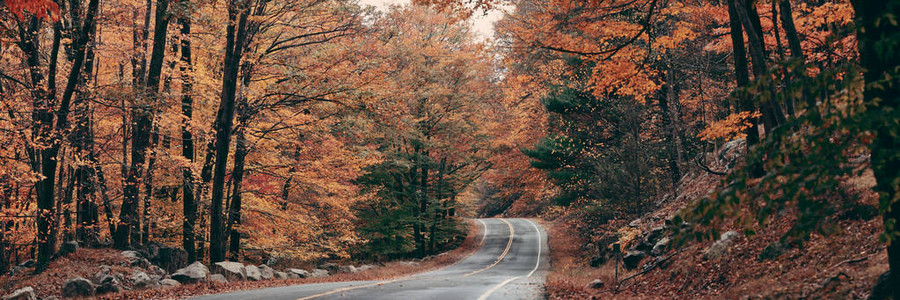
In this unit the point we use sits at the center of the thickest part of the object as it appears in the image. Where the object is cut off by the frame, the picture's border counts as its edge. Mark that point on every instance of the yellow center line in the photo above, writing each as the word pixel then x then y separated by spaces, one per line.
pixel 408 277
pixel 502 255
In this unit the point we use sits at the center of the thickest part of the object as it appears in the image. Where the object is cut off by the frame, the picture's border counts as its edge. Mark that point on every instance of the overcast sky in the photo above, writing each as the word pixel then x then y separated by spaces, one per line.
pixel 481 24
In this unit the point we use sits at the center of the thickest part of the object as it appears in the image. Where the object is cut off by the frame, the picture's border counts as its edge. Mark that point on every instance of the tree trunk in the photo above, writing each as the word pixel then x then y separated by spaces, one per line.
pixel 741 71
pixel 235 37
pixel 128 231
pixel 189 202
pixel 881 96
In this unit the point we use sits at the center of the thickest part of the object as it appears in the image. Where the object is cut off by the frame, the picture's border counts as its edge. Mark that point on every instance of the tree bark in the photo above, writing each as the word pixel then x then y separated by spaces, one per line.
pixel 128 231
pixel 235 36
pixel 741 71
pixel 189 202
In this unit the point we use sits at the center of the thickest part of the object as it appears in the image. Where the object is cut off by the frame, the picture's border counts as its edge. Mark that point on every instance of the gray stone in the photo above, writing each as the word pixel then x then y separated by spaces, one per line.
pixel 596 284
pixel 110 284
pixel 282 275
pixel 408 263
pixel 192 273
pixel 330 267
pixel 632 259
pixel 134 259
pixel 169 282
pixel 141 280
pixel 655 234
pixel 219 278
pixel 17 270
pixel 233 271
pixel 25 293
pixel 318 273
pixel 252 273
pixel 365 267
pixel 300 273
pixel 721 246
pixel 661 246
pixel 349 269
pixel 78 287
pixel 266 272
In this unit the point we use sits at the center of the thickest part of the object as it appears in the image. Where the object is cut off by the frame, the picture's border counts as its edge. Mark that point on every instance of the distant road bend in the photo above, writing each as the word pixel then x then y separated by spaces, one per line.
pixel 510 264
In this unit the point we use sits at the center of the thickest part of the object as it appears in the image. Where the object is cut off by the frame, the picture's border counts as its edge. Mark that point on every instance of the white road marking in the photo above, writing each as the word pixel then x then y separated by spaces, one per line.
pixel 539 241
pixel 536 265
pixel 413 276
pixel 495 288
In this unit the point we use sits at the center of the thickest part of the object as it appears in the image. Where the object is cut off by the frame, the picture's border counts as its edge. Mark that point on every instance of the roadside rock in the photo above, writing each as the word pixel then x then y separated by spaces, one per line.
pixel 282 275
pixel 233 271
pixel 719 248
pixel 169 282
pixel 170 258
pixel 300 273
pixel 25 293
pixel 655 234
pixel 141 280
pixel 78 287
pixel 365 268
pixel 408 263
pixel 349 269
pixel 596 284
pixel 252 273
pixel 632 259
pixel 318 273
pixel 266 272
pixel 217 278
pixel 330 267
pixel 661 246
pixel 192 273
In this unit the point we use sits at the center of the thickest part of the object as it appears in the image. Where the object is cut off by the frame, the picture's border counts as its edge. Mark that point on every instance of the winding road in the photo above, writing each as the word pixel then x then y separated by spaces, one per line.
pixel 510 264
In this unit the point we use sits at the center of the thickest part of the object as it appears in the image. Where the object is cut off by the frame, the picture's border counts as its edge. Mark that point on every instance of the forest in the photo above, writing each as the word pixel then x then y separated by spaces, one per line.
pixel 312 131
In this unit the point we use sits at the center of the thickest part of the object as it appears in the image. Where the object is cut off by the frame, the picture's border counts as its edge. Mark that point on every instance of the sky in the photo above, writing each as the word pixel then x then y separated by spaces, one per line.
pixel 482 25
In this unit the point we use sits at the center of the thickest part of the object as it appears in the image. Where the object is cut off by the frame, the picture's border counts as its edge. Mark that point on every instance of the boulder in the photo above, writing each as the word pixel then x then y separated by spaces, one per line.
pixel 721 246
pixel 170 258
pixel 102 275
pixel 661 246
pixel 233 271
pixel 110 284
pixel 156 271
pixel 252 273
pixel 655 234
pixel 141 280
pixel 135 259
pixel 330 267
pixel 169 282
pixel 25 293
pixel 67 247
pixel 632 259
pixel 596 284
pixel 349 269
pixel 266 272
pixel 192 273
pixel 78 287
pixel 218 278
pixel 282 275
pixel 408 263
pixel 365 267
pixel 300 273
pixel 318 273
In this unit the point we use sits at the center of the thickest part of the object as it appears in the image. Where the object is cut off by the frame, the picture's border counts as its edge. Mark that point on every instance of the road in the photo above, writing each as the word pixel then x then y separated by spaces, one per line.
pixel 510 264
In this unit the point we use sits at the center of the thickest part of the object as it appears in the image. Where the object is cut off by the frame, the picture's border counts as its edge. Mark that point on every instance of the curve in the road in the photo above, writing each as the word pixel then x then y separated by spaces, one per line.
pixel 506 266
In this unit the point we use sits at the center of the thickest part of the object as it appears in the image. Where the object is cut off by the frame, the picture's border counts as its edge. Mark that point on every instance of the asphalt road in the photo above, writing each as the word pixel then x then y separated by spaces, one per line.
pixel 510 264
